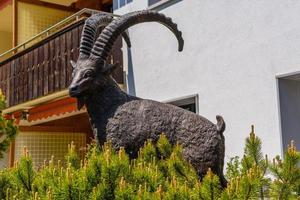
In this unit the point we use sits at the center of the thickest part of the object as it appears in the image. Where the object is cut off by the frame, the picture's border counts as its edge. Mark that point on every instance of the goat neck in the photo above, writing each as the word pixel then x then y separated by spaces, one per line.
pixel 102 104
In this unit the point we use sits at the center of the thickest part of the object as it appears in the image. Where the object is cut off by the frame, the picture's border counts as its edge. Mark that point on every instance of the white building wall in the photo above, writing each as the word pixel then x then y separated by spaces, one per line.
pixel 233 52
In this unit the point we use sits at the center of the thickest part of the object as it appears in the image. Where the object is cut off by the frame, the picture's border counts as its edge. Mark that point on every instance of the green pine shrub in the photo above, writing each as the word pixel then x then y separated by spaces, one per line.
pixel 159 172
pixel 287 175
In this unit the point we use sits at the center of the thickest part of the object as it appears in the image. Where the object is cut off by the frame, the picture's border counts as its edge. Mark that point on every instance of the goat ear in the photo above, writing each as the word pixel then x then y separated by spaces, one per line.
pixel 109 68
pixel 73 64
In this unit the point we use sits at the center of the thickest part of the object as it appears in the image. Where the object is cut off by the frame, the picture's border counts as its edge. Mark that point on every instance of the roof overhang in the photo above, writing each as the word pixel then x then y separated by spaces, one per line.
pixel 44 109
pixel 36 102
pixel 51 111
pixel 48 108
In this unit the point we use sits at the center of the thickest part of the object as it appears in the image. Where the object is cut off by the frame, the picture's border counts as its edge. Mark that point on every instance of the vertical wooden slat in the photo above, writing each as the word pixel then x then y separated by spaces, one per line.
pixel 69 56
pixel 25 80
pixel 35 72
pixel 22 98
pixel 41 71
pixel 80 27
pixel 20 80
pixel 57 64
pixel 63 61
pixel 46 67
pixel 4 80
pixel 15 74
pixel 8 83
pixel 52 66
pixel 79 38
pixel 16 81
pixel 75 42
pixel 11 78
pixel 3 75
pixel 30 75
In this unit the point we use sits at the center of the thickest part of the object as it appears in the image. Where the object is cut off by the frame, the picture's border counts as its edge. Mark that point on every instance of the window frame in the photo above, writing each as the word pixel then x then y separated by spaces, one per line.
pixel 159 3
pixel 118 6
pixel 185 100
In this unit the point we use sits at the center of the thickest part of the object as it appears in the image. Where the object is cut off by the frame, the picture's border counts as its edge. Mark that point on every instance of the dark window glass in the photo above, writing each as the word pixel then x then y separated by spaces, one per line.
pixel 190 107
pixel 115 4
pixel 188 103
pixel 122 3
pixel 151 2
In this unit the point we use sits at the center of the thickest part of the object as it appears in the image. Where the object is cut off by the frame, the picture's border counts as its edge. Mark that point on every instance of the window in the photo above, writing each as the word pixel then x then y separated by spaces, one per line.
pixel 289 102
pixel 161 4
pixel 189 103
pixel 190 107
pixel 115 4
pixel 120 3
pixel 151 2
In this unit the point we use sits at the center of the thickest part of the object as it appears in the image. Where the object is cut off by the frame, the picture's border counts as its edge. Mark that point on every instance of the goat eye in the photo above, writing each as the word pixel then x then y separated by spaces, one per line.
pixel 88 74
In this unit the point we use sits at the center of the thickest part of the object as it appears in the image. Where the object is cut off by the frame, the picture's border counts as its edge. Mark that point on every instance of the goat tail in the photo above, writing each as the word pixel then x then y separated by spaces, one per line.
pixel 220 124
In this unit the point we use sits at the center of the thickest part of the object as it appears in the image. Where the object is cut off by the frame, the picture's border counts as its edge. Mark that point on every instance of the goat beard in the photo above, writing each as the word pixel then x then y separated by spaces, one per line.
pixel 80 102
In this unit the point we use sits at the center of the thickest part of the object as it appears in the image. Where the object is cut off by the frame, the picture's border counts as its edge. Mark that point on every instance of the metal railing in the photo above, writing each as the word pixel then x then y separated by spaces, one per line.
pixel 72 18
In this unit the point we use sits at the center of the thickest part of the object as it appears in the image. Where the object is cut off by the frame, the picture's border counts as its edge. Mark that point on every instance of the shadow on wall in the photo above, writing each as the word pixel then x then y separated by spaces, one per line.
pixel 130 75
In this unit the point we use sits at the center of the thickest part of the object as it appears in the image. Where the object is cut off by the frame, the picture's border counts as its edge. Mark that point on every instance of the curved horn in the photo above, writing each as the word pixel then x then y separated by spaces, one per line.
pixel 92 24
pixel 89 32
pixel 110 33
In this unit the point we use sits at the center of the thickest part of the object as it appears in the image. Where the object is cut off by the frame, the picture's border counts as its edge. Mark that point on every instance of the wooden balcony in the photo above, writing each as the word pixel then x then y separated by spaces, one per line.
pixel 45 68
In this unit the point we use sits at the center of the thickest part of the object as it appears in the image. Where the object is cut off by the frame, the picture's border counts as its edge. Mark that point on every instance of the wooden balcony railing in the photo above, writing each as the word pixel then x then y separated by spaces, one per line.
pixel 45 68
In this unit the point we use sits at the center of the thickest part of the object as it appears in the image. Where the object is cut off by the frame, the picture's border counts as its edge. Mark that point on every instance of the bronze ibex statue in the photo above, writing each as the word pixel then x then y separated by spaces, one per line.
pixel 128 121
